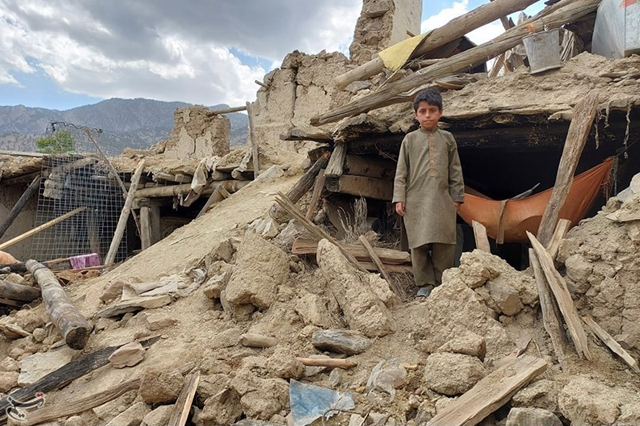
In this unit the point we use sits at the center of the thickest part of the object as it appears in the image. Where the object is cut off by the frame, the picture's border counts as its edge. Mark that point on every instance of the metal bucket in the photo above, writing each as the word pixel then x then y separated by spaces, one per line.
pixel 543 51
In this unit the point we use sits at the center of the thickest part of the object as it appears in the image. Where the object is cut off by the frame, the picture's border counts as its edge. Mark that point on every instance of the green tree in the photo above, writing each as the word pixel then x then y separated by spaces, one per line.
pixel 61 142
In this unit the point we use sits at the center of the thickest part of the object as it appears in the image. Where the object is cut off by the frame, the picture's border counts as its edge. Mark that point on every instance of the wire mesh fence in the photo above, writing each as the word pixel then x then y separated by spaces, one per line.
pixel 74 179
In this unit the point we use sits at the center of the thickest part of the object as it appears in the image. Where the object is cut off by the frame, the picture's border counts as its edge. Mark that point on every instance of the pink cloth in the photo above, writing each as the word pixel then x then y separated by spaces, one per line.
pixel 84 261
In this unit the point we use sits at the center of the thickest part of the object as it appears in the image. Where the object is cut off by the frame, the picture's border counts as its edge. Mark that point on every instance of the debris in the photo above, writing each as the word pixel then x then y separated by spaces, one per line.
pixel 185 399
pixel 257 340
pixel 532 417
pixel 341 341
pixel 388 376
pixel 309 402
pixel 452 374
pixel 127 356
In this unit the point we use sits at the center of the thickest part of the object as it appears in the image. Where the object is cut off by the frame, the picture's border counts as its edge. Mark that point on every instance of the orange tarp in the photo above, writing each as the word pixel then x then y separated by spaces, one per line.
pixel 519 216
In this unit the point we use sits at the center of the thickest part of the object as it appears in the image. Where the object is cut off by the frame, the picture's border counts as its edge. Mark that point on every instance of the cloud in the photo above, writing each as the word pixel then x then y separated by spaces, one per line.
pixel 163 49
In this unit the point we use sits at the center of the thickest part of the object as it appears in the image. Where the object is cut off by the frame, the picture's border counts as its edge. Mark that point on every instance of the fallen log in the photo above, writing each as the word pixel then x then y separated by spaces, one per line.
pixel 65 375
pixel 17 208
pixel 73 326
pixel 13 291
pixel 387 256
pixel 452 30
pixel 549 18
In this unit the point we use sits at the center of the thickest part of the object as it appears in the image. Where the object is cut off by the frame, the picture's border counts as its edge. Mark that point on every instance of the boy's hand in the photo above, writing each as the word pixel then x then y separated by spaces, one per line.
pixel 457 205
pixel 400 208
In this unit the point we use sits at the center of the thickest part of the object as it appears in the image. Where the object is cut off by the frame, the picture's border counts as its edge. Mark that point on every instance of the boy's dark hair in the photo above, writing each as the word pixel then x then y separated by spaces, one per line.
pixel 429 95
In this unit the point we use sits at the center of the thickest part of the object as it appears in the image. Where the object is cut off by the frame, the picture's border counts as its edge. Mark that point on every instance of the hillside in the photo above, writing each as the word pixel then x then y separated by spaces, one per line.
pixel 133 123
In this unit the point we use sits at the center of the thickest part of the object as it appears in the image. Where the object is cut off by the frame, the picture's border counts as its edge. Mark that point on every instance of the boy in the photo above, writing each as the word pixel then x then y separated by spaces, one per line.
pixel 427 193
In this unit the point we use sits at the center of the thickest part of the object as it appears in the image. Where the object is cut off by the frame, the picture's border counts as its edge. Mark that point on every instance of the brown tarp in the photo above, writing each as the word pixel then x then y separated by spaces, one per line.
pixel 508 220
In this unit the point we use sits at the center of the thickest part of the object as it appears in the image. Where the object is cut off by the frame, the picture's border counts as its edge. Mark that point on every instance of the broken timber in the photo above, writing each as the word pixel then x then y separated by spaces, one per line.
pixel 254 142
pixel 583 114
pixel 376 260
pixel 549 18
pixel 387 256
pixel 453 30
pixel 31 190
pixel 173 190
pixel 315 196
pixel 181 408
pixel 73 326
pixel 561 230
pixel 563 297
pixel 490 393
pixel 335 167
pixel 13 291
pixel 361 186
pixel 611 343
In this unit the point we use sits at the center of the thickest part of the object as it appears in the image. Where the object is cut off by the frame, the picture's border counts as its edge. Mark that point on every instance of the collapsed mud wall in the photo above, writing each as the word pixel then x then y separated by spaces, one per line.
pixel 198 132
pixel 9 195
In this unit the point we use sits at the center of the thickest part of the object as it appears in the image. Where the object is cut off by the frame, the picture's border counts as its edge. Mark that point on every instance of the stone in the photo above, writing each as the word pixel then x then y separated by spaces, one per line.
pixel 8 381
pixel 585 401
pixel 223 408
pixel 132 416
pixel 476 268
pixel 316 309
pixel 341 341
pixel 506 297
pixel 36 366
pixel 226 339
pixel 135 304
pixel 266 227
pixel 283 364
pixel 39 334
pixel 112 291
pixel 9 364
pixel 159 386
pixel 158 416
pixel 362 308
pixel 539 394
pixel 452 374
pixel 15 278
pixel 158 321
pixel 467 343
pixel 127 356
pixel 214 286
pixel 532 417
pixel 30 319
pixel 426 411
pixel 629 415
pixel 287 236
pixel 578 271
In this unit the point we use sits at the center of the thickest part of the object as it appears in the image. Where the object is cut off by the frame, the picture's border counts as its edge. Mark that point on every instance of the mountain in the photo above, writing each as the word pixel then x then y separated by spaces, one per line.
pixel 125 123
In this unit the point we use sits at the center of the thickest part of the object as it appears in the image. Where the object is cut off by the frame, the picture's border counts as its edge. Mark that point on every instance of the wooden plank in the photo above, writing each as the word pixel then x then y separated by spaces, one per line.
pixel 312 134
pixel 562 228
pixel 361 186
pixel 41 228
pixel 315 196
pixel 254 142
pixel 335 167
pixel 583 115
pixel 369 166
pixel 124 215
pixel 550 313
pixel 75 329
pixel 70 408
pixel 392 269
pixel 376 260
pixel 19 292
pixel 490 393
pixel 145 227
pixel 181 408
pixel 480 235
pixel 216 196
pixel 387 256
pixel 403 90
pixel 31 190
pixel 611 343
pixel 563 297
pixel 66 374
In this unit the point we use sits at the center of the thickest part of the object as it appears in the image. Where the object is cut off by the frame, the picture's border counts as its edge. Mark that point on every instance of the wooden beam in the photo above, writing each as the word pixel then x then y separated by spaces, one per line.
pixel 490 393
pixel 254 142
pixel 453 30
pixel 361 186
pixel 31 190
pixel 387 256
pixel 611 343
pixel 376 260
pixel 41 228
pixel 562 228
pixel 315 196
pixel 173 190
pixel 229 110
pixel 181 408
pixel 124 215
pixel 550 313
pixel 13 291
pixel 480 235
pixel 216 196
pixel 563 297
pixel 74 328
pixel 369 166
pixel 583 114
pixel 550 18
pixel 335 167
pixel 390 268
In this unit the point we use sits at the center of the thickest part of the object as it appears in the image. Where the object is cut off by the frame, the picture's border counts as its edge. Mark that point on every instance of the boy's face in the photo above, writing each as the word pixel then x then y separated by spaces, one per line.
pixel 428 115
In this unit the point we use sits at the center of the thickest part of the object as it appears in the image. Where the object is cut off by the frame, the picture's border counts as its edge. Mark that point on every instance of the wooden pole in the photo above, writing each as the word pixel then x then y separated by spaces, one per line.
pixel 315 196
pixel 13 291
pixel 550 17
pixel 229 110
pixel 335 167
pixel 173 190
pixel 583 114
pixel 181 408
pixel 31 190
pixel 72 325
pixel 452 30
pixel 254 142
pixel 41 228
pixel 376 260
pixel 124 215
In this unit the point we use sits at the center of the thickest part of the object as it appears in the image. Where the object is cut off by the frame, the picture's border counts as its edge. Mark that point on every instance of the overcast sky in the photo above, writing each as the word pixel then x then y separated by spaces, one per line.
pixel 60 54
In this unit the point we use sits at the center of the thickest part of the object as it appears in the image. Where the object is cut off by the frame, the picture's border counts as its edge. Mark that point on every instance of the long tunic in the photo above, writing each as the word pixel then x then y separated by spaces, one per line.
pixel 428 180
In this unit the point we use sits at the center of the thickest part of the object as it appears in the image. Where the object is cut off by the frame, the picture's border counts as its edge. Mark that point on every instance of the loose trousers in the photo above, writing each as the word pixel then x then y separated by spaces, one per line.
pixel 429 262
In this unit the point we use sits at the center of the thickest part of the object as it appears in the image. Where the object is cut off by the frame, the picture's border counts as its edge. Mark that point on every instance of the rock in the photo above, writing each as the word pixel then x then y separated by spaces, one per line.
pixel 532 417
pixel 316 310
pixel 223 408
pixel 585 401
pixel 257 341
pixel 426 411
pixel 260 268
pixel 629 415
pixel 341 341
pixel 30 319
pixel 214 286
pixel 283 364
pixel 539 394
pixel 267 227
pixel 506 297
pixel 132 416
pixel 287 236
pixel 578 271
pixel 36 366
pixel 112 291
pixel 633 231
pixel 226 339
pixel 159 416
pixel 273 172
pixel 39 334
pixel 9 364
pixel 272 397
pixel 467 343
pixel 475 268
pixel 452 374
pixel 158 321
pixel 127 356
pixel 8 381
pixel 159 386
pixel 73 421
pixel 388 376
pixel 135 304
pixel 15 278
pixel 362 308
